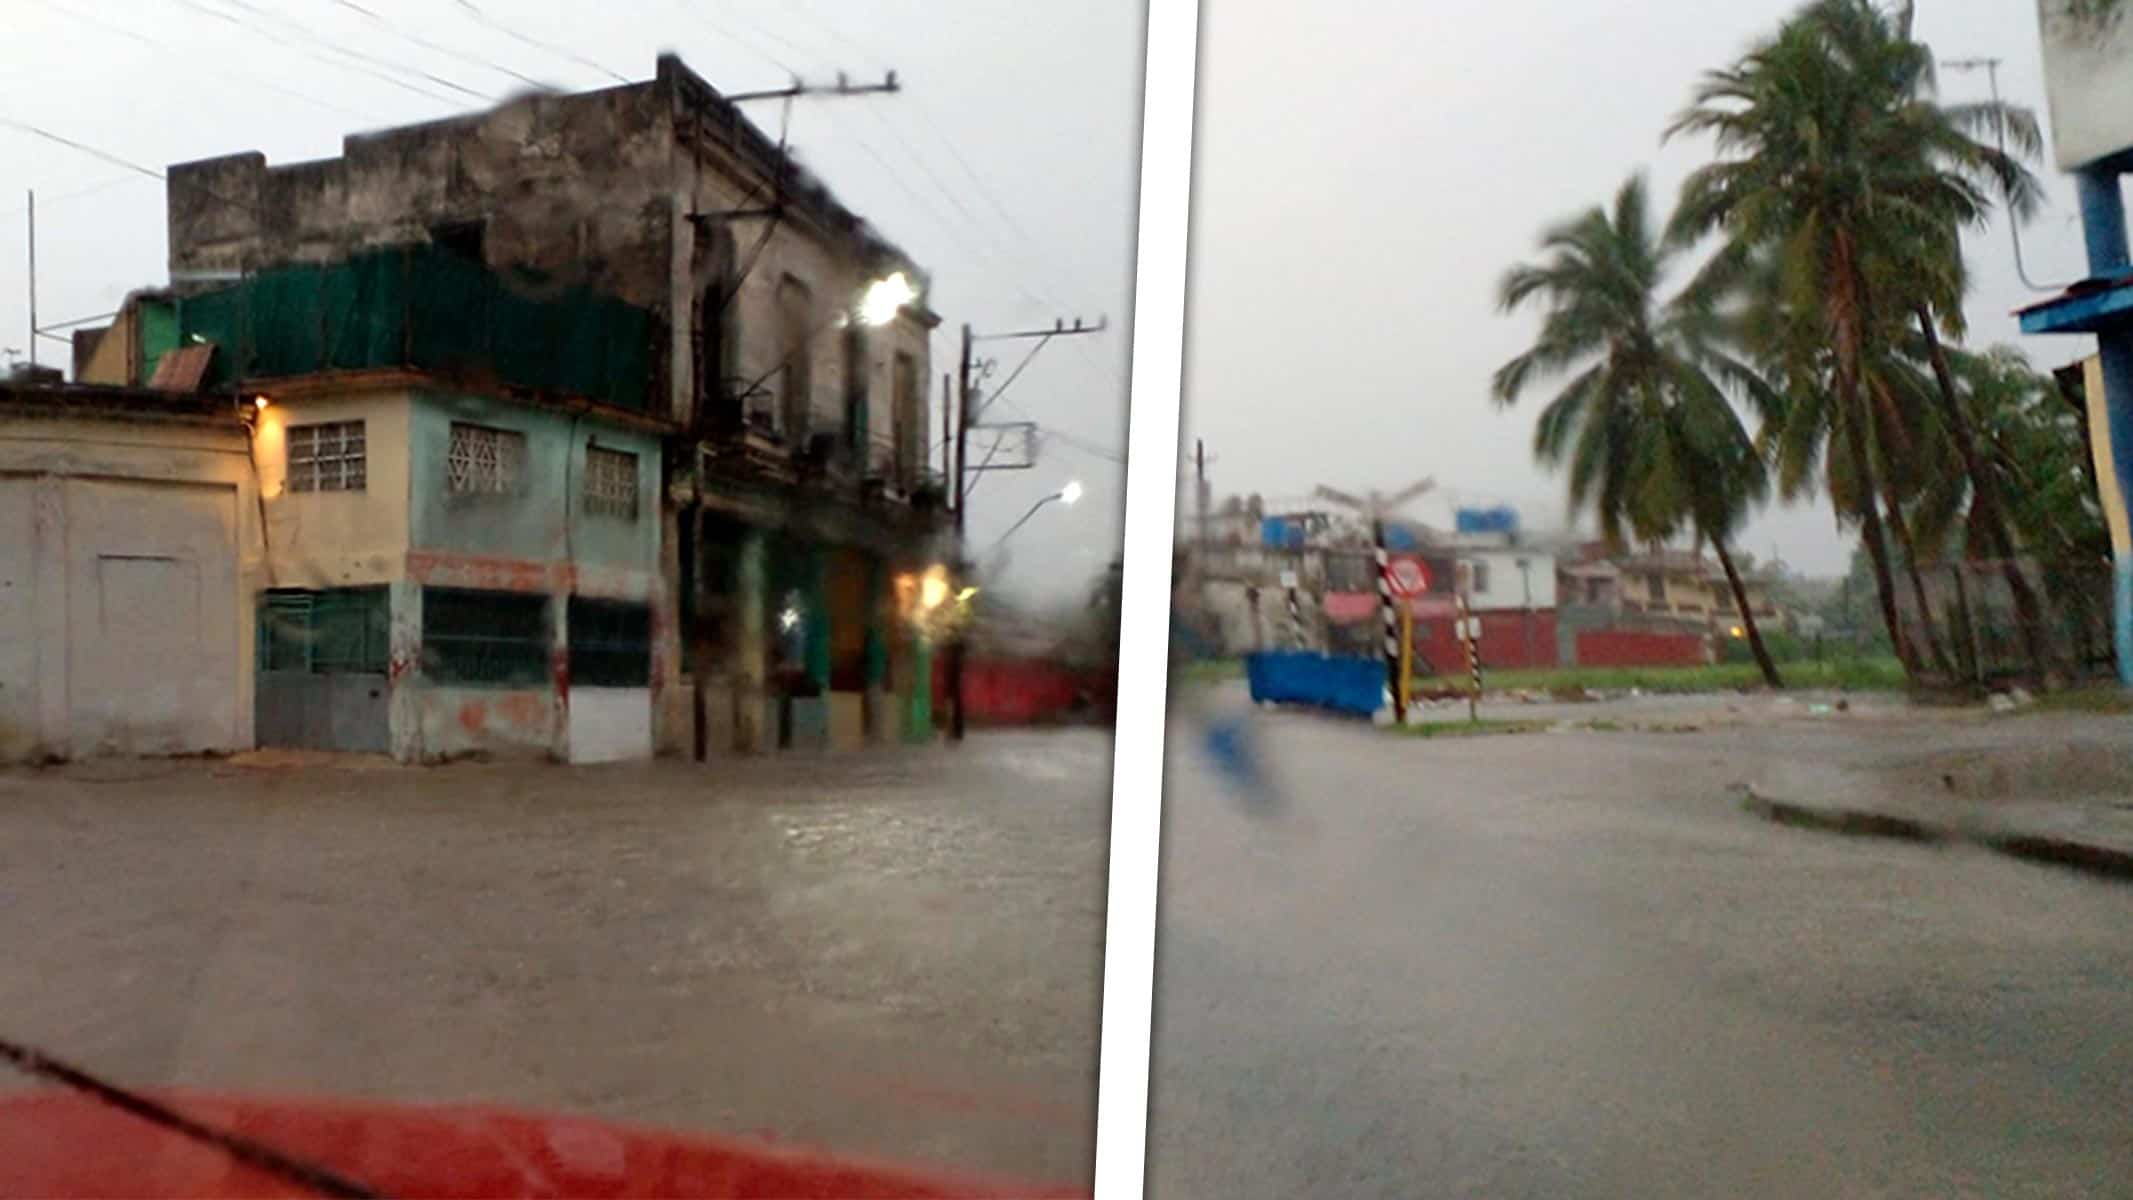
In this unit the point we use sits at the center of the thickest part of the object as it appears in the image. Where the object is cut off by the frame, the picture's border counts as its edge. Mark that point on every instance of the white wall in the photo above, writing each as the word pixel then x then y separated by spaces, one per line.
pixel 19 722
pixel 610 724
pixel 2088 77
pixel 127 566
pixel 1506 588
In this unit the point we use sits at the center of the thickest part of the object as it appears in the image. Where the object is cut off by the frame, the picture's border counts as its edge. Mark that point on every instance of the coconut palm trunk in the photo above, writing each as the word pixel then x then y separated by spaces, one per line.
pixel 1850 418
pixel 1985 494
pixel 1763 660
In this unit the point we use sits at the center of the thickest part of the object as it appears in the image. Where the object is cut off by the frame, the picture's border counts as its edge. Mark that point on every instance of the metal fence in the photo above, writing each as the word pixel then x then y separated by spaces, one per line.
pixel 1971 621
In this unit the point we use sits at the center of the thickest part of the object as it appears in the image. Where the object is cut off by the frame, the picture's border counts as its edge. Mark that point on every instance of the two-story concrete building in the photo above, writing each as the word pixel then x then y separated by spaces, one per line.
pixel 572 441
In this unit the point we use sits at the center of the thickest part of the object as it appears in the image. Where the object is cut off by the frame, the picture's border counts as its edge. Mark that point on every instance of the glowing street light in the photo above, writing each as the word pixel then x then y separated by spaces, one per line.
pixel 933 590
pixel 884 298
pixel 1066 495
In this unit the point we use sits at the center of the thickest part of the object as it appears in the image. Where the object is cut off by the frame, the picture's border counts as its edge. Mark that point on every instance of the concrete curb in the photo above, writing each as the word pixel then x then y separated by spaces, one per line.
pixel 1853 822
pixel 2107 862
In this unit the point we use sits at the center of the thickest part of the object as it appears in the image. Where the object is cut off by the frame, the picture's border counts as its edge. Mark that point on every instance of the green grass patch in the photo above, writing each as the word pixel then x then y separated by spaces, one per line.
pixel 1486 727
pixel 1854 674
pixel 1212 670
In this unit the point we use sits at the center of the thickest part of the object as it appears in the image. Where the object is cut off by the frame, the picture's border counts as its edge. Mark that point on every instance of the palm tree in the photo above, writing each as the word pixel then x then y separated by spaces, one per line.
pixel 1652 444
pixel 1839 165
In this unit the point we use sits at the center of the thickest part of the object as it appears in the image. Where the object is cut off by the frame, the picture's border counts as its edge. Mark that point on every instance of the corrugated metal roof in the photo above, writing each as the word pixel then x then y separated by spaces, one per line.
pixel 182 370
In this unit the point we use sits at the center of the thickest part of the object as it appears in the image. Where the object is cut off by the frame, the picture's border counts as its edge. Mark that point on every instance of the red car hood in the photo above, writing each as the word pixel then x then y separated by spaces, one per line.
pixel 64 1144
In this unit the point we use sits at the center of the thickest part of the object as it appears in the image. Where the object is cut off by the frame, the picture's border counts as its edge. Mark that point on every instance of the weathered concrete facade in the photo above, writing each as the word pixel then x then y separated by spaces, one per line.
pixel 655 192
pixel 415 531
pixel 128 565
pixel 794 489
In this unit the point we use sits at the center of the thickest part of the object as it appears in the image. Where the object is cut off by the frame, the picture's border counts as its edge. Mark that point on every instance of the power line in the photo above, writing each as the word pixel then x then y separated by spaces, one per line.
pixel 76 194
pixel 729 35
pixel 413 39
pixel 476 12
pixel 219 15
pixel 992 251
pixel 801 51
pixel 952 194
pixel 306 35
pixel 808 13
pixel 145 40
pixel 107 156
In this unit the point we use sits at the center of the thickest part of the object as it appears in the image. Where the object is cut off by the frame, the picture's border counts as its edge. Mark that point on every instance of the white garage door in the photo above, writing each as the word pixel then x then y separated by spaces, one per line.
pixel 152 630
pixel 18 620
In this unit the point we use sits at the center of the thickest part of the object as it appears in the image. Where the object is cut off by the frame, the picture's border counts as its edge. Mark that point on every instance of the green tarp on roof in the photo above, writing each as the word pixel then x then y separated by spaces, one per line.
pixel 427 309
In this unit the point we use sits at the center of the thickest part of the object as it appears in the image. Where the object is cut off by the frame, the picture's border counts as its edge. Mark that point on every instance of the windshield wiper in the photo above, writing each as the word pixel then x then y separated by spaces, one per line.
pixel 252 1153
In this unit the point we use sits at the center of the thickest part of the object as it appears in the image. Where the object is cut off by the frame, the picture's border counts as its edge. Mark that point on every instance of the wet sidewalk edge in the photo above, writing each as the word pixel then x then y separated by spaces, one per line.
pixel 2091 858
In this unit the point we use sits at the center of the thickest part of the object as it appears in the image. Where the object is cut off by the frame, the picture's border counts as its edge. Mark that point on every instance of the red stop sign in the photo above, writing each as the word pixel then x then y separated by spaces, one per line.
pixel 1409 578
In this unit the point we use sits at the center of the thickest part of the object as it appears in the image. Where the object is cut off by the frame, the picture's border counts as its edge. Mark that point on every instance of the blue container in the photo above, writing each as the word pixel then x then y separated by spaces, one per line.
pixel 1281 533
pixel 1347 685
pixel 1486 520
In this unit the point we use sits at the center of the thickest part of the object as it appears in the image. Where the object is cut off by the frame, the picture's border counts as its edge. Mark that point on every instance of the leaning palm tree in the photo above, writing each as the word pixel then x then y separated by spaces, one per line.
pixel 1836 161
pixel 1644 426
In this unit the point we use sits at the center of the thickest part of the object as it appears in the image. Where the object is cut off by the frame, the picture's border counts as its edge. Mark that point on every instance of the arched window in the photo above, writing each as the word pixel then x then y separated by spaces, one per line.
pixel 713 332
pixel 796 379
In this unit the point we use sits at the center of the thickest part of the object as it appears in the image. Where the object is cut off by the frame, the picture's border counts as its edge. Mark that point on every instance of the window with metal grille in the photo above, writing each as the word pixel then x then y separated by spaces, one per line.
pixel 907 423
pixel 610 643
pixel 481 461
pixel 342 631
pixel 327 458
pixel 1479 581
pixel 611 483
pixel 482 637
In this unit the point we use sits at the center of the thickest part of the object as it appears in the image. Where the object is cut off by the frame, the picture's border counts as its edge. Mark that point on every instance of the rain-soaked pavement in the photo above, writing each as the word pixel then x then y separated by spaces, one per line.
pixel 894 955
pixel 1569 964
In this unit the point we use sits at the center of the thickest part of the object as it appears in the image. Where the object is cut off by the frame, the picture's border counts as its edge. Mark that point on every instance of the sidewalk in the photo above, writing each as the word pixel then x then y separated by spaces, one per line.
pixel 2048 789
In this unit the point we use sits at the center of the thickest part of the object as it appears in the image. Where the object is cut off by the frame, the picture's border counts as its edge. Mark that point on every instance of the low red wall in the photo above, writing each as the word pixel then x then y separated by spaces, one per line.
pixel 1503 643
pixel 1025 692
pixel 1626 648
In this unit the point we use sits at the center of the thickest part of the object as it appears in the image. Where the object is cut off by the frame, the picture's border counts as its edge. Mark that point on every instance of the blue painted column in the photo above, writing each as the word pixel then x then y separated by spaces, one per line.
pixel 2103 228
pixel 2103 220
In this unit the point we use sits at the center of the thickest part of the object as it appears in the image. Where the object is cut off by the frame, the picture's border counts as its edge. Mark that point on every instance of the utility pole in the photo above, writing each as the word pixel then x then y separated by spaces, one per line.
pixel 969 411
pixel 1199 459
pixel 962 564
pixel 33 281
pixel 745 640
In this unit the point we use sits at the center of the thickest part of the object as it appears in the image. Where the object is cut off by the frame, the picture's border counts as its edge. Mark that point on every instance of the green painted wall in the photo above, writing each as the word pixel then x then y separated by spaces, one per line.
pixel 159 335
pixel 545 520
pixel 920 727
pixel 877 651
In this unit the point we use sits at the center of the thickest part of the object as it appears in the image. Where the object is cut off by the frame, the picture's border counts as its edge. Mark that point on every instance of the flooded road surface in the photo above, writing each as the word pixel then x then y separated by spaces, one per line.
pixel 1570 965
pixel 895 955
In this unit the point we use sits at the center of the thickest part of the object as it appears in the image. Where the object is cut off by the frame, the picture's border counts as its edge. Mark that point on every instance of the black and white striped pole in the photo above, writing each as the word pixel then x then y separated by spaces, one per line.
pixel 1468 639
pixel 1389 618
pixel 1296 616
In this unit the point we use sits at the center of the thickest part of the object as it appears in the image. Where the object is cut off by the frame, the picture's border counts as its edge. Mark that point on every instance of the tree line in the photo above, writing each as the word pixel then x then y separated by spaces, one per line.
pixel 1795 324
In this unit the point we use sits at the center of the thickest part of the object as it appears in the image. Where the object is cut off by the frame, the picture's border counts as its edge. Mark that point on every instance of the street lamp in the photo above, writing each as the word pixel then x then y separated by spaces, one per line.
pixel 1066 495
pixel 884 298
pixel 878 304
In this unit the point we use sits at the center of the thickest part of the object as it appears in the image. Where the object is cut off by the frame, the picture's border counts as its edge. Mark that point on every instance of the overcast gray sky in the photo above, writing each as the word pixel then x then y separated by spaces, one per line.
pixel 1008 166
pixel 1366 169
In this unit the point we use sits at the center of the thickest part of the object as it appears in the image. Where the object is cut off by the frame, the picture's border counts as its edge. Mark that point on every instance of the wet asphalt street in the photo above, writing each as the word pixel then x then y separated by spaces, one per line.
pixel 1568 964
pixel 892 955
